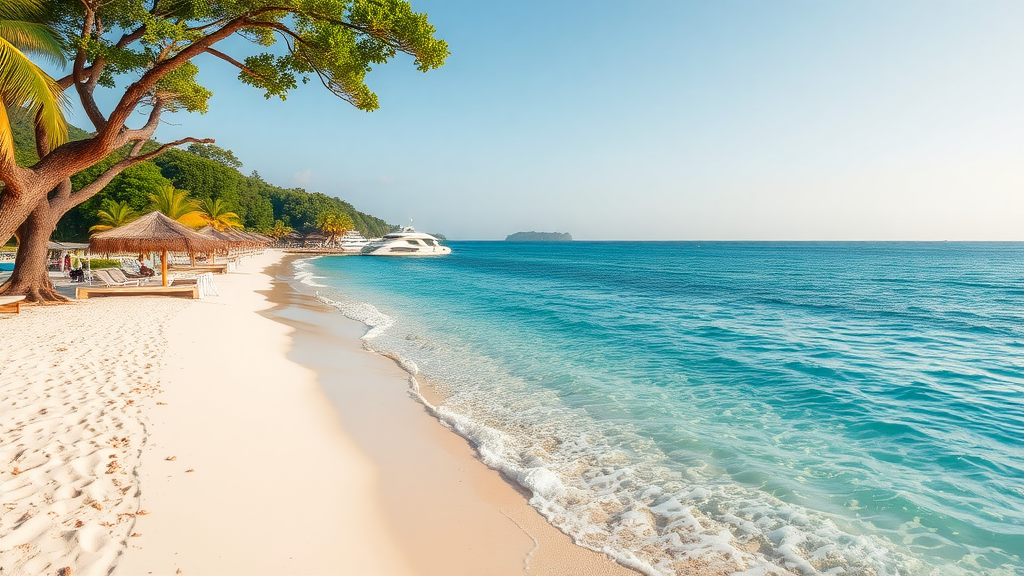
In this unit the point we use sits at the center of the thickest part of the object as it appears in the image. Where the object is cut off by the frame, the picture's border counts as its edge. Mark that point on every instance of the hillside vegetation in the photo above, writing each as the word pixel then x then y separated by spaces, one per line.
pixel 205 171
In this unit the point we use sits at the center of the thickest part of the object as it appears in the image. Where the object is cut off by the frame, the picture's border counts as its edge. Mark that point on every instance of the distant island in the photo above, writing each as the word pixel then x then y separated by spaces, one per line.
pixel 539 237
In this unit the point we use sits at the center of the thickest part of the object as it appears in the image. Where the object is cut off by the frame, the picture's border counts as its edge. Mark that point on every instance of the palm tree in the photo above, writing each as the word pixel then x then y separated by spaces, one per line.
pixel 279 230
pixel 23 84
pixel 112 215
pixel 216 214
pixel 335 224
pixel 176 204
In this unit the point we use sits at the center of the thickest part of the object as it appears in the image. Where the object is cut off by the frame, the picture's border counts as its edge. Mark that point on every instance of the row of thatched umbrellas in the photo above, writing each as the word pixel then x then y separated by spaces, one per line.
pixel 155 232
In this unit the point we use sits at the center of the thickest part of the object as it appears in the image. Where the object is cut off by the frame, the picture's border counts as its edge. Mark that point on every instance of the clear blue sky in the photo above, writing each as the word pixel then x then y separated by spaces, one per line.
pixel 834 120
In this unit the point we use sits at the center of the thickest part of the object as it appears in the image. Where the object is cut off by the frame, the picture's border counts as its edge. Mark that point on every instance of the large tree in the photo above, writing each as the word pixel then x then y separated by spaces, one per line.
pixel 145 49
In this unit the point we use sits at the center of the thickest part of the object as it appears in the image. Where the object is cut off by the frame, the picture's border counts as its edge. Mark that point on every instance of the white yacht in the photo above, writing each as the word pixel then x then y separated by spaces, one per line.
pixel 352 241
pixel 406 242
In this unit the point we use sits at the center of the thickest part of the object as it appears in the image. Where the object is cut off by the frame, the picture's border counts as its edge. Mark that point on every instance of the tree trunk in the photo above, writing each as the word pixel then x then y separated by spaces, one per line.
pixel 30 277
pixel 12 216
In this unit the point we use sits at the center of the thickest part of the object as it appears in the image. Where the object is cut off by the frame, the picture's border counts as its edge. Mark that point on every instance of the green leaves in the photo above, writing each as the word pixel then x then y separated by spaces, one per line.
pixel 177 205
pixel 341 50
pixel 271 73
pixel 335 41
pixel 393 24
pixel 279 230
pixel 216 153
pixel 218 214
pixel 179 90
pixel 113 215
pixel 334 224
pixel 34 38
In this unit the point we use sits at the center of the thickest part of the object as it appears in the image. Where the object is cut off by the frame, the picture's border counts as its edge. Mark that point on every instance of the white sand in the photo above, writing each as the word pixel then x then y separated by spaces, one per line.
pixel 277 487
pixel 150 435
pixel 74 381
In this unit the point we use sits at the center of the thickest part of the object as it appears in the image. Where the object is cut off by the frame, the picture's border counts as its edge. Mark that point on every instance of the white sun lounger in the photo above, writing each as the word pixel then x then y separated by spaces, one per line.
pixel 107 278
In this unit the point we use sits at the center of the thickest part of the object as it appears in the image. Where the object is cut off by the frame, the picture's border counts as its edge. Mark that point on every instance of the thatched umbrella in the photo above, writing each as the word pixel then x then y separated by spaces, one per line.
pixel 238 236
pixel 257 238
pixel 212 232
pixel 150 233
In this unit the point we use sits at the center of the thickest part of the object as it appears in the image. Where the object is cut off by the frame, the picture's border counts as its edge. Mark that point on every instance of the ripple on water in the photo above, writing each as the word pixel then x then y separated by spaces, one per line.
pixel 840 408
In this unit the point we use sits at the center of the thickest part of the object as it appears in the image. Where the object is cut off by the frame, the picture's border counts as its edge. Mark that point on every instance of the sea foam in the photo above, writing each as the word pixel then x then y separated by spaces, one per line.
pixel 618 510
pixel 606 482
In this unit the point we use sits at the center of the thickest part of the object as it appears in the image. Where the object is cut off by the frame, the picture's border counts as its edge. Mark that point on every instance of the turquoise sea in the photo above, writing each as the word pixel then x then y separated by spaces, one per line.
pixel 748 408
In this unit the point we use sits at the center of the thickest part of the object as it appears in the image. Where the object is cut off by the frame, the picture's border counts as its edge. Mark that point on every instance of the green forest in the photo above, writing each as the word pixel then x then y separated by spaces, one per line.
pixel 205 171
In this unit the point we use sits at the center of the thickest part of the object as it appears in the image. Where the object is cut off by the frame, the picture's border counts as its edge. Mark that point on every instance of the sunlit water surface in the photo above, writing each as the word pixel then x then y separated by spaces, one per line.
pixel 752 408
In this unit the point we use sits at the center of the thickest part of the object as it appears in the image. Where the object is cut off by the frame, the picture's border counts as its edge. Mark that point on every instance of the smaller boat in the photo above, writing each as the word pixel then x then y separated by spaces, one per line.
pixel 352 241
pixel 406 242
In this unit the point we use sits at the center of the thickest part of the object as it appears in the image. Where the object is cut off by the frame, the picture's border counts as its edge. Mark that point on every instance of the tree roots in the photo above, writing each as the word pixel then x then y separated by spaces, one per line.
pixel 42 295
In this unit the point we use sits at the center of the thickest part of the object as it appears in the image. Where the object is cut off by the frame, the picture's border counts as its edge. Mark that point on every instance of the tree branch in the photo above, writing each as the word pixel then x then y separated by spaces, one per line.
pixel 146 132
pixel 85 85
pixel 131 37
pixel 110 129
pixel 89 190
pixel 164 147
pixel 59 194
pixel 42 138
pixel 134 93
pixel 204 26
pixel 231 60
pixel 284 30
pixel 68 80
pixel 86 71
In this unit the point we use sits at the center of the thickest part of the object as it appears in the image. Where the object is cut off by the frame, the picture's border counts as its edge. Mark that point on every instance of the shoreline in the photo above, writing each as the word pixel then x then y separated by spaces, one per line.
pixel 247 470
pixel 244 434
pixel 452 513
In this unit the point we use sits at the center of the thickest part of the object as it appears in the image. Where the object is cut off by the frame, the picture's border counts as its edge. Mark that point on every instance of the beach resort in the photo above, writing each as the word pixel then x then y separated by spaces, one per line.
pixel 166 435
pixel 543 288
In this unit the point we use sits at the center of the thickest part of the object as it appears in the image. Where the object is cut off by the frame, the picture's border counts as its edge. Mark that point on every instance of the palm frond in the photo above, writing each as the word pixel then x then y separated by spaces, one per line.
pixel 113 215
pixel 33 37
pixel 176 204
pixel 192 219
pixel 25 85
pixel 21 9
pixel 218 214
pixel 6 136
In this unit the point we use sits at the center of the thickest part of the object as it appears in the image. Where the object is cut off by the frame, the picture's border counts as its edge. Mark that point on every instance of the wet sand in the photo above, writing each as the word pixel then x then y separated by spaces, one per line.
pixel 450 513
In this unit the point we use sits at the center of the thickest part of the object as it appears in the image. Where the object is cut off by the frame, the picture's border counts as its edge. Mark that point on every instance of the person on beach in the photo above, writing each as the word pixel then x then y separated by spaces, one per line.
pixel 145 270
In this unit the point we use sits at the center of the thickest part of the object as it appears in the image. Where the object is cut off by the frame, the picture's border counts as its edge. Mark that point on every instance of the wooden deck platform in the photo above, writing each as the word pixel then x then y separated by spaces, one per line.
pixel 11 304
pixel 86 292
pixel 215 268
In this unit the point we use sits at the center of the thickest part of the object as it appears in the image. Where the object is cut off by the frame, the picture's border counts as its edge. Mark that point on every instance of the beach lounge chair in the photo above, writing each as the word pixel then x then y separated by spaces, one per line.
pixel 130 267
pixel 107 279
pixel 11 304
pixel 203 281
pixel 131 273
pixel 119 276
